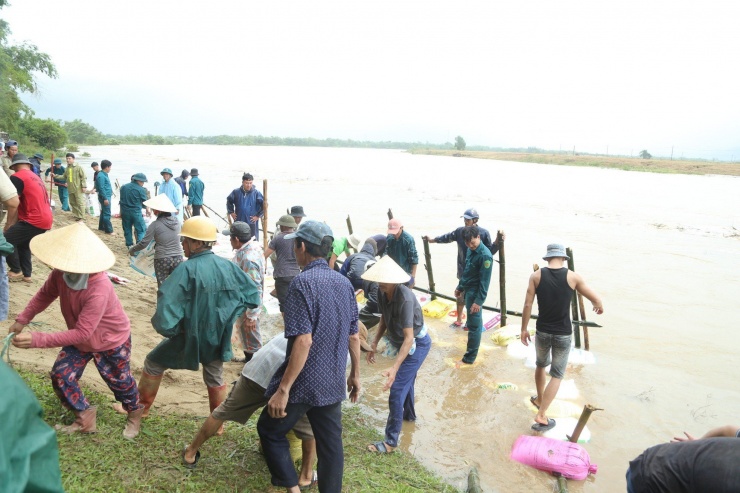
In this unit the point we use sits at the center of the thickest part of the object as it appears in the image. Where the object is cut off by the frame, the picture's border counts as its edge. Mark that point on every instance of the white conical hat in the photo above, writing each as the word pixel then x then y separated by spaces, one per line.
pixel 161 203
pixel 388 271
pixel 73 249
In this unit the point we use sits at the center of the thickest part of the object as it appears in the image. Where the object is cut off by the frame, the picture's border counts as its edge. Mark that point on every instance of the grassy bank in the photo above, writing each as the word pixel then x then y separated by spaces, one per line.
pixel 624 163
pixel 106 462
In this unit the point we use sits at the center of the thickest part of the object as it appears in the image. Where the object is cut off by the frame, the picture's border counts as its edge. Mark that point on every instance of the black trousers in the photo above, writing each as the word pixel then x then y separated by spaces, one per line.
pixel 20 235
pixel 196 209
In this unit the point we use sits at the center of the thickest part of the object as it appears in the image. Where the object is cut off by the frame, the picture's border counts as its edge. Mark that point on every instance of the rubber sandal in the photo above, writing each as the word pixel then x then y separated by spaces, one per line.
pixel 380 448
pixel 455 325
pixel 532 399
pixel 190 465
pixel 314 481
pixel 540 427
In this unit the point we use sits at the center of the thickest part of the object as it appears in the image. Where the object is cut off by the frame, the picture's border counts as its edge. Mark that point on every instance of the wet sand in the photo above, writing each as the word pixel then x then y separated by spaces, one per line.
pixel 662 251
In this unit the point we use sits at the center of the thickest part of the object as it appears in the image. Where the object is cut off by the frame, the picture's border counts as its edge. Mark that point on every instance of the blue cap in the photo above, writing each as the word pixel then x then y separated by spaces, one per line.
pixel 38 155
pixel 470 214
pixel 139 177
pixel 10 143
pixel 57 160
pixel 312 231
pixel 166 170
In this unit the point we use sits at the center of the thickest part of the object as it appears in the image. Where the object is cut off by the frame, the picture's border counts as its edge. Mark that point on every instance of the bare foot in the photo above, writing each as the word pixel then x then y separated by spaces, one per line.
pixel 460 363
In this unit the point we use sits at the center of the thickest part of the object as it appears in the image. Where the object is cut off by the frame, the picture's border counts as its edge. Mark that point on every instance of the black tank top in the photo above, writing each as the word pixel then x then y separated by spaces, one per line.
pixel 553 300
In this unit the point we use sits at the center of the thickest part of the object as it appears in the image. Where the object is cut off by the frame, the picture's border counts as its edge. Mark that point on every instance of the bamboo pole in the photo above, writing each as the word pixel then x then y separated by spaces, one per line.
pixel 562 484
pixel 349 225
pixel 217 214
pixel 156 188
pixel 51 173
pixel 586 344
pixel 264 214
pixel 574 301
pixel 428 267
pixel 587 410
pixel 390 214
pixel 502 275
pixel 473 481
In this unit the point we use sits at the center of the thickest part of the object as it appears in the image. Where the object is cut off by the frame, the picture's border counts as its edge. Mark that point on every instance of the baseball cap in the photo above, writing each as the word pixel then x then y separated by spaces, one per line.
pixel 239 229
pixel 312 231
pixel 394 225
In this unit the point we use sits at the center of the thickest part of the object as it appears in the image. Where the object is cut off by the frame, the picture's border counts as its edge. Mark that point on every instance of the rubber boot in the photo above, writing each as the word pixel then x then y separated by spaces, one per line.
pixel 216 395
pixel 85 422
pixel 148 388
pixel 133 424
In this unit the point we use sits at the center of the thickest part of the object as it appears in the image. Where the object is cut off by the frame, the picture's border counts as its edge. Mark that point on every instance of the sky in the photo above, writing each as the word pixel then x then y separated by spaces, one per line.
pixel 595 76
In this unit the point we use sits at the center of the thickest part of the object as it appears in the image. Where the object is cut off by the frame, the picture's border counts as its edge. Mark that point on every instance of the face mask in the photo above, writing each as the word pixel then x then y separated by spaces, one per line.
pixel 76 282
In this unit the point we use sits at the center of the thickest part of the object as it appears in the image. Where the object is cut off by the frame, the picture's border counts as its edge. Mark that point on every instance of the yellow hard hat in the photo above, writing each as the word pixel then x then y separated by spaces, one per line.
pixel 199 228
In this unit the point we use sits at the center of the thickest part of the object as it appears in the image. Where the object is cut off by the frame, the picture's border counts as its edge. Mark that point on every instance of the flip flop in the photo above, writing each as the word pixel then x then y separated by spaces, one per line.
pixel 314 481
pixel 190 465
pixel 380 448
pixel 532 399
pixel 455 325
pixel 540 427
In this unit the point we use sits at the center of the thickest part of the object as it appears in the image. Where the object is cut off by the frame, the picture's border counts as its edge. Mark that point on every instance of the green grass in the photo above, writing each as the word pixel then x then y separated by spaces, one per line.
pixel 106 462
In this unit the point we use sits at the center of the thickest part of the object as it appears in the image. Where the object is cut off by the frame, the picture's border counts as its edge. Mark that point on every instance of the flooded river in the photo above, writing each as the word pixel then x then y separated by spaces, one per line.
pixel 663 251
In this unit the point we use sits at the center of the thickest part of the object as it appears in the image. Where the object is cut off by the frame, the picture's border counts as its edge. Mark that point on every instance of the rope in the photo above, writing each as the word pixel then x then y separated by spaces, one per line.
pixel 6 347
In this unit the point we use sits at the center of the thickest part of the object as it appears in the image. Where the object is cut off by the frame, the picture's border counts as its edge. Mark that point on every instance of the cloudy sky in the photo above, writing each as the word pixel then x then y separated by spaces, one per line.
pixel 597 75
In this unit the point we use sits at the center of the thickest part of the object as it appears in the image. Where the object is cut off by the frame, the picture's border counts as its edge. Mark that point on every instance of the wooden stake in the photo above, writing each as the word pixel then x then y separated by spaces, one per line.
pixel 264 214
pixel 390 214
pixel 349 225
pixel 586 345
pixel 574 301
pixel 502 275
pixel 51 185
pixel 428 267
pixel 587 410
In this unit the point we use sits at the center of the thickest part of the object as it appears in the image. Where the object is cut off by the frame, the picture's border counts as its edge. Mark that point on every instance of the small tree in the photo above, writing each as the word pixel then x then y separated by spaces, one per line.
pixel 48 133
pixel 459 143
pixel 644 154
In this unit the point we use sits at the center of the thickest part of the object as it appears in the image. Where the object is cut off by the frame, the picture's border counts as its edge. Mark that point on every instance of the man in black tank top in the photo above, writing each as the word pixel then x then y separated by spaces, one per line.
pixel 553 285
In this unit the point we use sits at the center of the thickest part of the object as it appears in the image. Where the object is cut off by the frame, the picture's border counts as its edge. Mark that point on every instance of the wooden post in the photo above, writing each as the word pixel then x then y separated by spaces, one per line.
pixel 349 225
pixel 264 215
pixel 51 185
pixel 587 410
pixel 428 267
pixel 473 481
pixel 156 188
pixel 390 214
pixel 574 301
pixel 562 483
pixel 586 345
pixel 502 275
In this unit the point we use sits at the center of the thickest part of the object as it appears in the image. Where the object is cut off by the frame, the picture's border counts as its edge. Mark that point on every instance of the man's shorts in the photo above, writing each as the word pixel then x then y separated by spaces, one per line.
pixel 244 399
pixel 559 345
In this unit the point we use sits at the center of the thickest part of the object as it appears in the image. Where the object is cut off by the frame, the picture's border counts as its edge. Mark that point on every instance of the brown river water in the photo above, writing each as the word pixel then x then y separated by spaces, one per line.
pixel 663 251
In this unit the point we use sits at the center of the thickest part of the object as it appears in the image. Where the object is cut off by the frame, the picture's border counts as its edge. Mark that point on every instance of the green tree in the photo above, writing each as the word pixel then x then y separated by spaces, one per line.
pixel 47 133
pixel 644 154
pixel 459 143
pixel 18 66
pixel 80 132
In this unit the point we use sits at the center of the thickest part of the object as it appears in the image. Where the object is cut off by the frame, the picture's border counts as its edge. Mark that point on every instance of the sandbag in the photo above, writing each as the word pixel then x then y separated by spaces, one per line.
pixel 436 308
pixel 569 459
pixel 143 261
pixel 508 334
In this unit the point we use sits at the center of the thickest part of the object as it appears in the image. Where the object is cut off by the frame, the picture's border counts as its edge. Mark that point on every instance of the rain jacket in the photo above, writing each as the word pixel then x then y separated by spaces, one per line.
pixel 29 458
pixel 196 309
pixel 357 263
pixel 245 204
pixel 102 185
pixel 132 198
pixel 165 232
pixel 76 178
pixel 195 195
pixel 402 250
pixel 477 274
pixel 462 248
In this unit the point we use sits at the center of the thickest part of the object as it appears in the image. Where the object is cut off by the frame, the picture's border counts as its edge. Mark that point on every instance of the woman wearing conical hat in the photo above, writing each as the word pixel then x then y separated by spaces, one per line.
pixel 98 328
pixel 165 233
pixel 402 322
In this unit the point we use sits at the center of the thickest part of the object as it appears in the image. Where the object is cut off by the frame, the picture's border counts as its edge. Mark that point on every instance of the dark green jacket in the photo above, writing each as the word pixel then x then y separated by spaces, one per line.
pixel 102 185
pixel 195 191
pixel 477 274
pixel 132 198
pixel 402 250
pixel 196 309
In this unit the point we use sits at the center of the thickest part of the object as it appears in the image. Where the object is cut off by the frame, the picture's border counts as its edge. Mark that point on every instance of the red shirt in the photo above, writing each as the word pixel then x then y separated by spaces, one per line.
pixel 35 208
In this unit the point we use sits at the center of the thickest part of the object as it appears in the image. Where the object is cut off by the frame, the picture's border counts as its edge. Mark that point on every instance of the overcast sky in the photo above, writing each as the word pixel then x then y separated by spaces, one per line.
pixel 597 75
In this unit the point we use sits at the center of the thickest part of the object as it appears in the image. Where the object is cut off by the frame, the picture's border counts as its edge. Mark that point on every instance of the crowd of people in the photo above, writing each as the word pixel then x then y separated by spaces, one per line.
pixel 300 377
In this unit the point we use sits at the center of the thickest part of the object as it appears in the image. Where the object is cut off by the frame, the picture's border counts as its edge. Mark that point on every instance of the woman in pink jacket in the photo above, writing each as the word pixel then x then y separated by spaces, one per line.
pixel 98 328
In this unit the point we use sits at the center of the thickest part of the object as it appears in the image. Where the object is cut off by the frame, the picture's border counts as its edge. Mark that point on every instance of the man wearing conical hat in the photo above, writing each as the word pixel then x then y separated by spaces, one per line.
pixel 97 327
pixel 105 195
pixel 165 233
pixel 401 320
pixel 553 286
pixel 196 309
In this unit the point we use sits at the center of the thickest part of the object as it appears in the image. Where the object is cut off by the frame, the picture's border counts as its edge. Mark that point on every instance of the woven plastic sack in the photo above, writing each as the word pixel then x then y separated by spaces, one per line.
pixel 546 454
pixel 436 308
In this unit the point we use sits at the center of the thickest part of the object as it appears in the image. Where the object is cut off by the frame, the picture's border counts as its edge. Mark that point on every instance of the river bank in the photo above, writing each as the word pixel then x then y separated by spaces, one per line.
pixel 652 165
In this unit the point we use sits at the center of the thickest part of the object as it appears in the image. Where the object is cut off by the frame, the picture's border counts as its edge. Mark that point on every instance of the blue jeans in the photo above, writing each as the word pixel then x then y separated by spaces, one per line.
pixel 401 399
pixel 132 220
pixel 559 345
pixel 326 422
pixel 104 223
pixel 475 329
pixel 4 290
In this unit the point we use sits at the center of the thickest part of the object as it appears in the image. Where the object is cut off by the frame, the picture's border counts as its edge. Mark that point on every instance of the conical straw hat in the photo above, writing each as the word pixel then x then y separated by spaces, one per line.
pixel 73 249
pixel 161 203
pixel 388 271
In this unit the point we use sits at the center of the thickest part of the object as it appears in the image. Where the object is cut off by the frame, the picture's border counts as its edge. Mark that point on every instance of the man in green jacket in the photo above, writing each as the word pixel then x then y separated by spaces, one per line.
pixel 400 246
pixel 133 196
pixel 76 186
pixel 105 195
pixel 196 309
pixel 473 286
pixel 195 192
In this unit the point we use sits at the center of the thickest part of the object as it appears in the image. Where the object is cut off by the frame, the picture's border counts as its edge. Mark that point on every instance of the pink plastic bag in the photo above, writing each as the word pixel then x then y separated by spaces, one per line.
pixel 547 454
